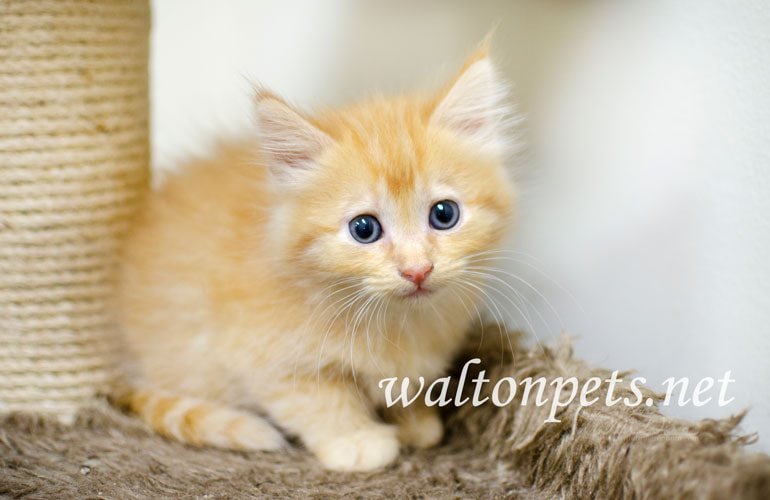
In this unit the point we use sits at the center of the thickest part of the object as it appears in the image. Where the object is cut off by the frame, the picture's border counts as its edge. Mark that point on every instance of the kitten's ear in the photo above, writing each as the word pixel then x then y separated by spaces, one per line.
pixel 289 142
pixel 473 104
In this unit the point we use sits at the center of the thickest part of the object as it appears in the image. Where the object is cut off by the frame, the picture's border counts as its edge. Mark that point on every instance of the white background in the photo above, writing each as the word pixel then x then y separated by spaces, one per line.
pixel 646 189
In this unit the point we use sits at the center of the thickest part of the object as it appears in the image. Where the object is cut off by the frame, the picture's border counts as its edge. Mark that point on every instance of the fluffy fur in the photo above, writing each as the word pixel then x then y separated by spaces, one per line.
pixel 243 293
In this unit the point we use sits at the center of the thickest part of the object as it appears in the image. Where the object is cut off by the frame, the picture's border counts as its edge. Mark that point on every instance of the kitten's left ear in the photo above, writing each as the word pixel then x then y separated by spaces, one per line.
pixel 290 143
pixel 473 104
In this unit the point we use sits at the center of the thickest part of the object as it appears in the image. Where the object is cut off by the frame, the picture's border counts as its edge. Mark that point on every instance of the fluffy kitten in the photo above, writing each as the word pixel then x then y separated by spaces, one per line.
pixel 286 276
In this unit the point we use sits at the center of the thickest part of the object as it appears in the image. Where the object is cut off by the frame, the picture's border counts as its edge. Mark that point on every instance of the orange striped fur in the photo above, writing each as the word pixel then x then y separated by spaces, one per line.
pixel 200 423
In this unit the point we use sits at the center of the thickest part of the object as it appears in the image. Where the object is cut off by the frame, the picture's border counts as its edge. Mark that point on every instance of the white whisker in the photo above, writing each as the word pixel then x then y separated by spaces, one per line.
pixel 525 282
pixel 498 317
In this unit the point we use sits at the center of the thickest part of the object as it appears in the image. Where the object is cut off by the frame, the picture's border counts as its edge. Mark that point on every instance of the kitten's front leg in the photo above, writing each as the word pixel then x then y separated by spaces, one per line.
pixel 334 422
pixel 418 425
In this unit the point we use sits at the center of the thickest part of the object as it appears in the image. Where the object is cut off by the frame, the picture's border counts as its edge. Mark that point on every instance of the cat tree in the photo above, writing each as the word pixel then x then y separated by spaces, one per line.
pixel 74 153
pixel 74 156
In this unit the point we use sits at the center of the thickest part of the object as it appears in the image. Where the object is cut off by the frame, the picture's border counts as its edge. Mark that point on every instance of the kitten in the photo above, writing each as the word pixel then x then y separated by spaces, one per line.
pixel 286 276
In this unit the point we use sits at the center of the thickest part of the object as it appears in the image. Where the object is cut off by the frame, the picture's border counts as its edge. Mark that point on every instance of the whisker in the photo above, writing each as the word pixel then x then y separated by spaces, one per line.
pixel 497 317
pixel 532 328
pixel 518 295
pixel 375 309
pixel 440 317
pixel 384 331
pixel 529 265
pixel 403 322
pixel 358 316
pixel 305 329
pixel 525 282
pixel 478 314
pixel 353 298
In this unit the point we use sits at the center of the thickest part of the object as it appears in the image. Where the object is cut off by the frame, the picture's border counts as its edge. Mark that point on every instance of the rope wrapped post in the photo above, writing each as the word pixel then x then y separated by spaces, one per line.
pixel 74 154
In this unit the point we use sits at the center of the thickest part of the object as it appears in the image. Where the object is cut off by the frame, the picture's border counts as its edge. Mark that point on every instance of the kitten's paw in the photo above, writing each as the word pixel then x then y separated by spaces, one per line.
pixel 255 434
pixel 362 450
pixel 421 430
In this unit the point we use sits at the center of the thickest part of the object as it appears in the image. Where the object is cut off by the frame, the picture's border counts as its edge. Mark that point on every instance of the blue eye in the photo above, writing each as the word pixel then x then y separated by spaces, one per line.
pixel 444 215
pixel 365 228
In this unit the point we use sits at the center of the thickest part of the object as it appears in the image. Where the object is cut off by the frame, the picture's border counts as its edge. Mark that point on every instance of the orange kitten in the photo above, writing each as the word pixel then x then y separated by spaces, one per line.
pixel 286 276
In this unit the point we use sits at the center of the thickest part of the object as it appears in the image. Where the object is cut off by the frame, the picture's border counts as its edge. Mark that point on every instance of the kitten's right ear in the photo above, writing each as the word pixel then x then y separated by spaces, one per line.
pixel 290 144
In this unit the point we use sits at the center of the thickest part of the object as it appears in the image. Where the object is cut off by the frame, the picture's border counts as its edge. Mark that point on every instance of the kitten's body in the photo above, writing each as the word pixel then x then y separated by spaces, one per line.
pixel 241 288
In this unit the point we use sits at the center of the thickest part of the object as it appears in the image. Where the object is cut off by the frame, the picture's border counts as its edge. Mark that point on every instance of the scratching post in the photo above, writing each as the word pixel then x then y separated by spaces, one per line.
pixel 74 153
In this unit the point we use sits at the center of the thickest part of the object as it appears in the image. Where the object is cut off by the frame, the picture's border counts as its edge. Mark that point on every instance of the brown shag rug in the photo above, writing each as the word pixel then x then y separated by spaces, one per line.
pixel 594 452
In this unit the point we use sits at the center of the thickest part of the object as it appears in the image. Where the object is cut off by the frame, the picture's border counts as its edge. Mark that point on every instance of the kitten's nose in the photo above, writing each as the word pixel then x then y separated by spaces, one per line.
pixel 417 274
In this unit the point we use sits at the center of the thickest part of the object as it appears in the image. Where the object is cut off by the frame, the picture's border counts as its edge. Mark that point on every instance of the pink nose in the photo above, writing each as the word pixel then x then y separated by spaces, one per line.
pixel 416 274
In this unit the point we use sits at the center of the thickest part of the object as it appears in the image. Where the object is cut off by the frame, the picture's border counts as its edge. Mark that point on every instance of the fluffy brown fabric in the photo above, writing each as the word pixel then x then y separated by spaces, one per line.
pixel 594 452
pixel 611 452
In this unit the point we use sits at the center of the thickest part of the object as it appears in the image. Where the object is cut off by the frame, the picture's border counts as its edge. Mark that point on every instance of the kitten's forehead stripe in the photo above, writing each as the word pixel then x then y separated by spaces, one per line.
pixel 388 136
pixel 398 151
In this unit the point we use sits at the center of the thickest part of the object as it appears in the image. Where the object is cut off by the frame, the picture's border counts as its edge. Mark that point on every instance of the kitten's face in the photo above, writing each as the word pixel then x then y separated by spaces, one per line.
pixel 396 196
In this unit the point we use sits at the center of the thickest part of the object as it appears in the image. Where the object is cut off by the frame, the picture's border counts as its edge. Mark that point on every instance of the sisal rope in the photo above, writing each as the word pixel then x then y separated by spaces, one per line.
pixel 74 152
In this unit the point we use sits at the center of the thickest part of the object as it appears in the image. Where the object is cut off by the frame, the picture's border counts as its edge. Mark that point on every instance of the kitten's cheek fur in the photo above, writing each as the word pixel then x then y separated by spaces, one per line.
pixel 362 450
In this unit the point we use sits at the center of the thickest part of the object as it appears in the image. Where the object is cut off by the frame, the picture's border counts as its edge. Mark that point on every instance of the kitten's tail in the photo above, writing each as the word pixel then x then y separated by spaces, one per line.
pixel 201 423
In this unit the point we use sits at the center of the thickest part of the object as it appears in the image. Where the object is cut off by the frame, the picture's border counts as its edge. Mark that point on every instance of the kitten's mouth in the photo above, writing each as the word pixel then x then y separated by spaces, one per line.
pixel 419 292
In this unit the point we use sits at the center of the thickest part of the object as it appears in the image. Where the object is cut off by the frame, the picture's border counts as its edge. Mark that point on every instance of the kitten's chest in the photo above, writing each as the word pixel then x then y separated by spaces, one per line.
pixel 421 347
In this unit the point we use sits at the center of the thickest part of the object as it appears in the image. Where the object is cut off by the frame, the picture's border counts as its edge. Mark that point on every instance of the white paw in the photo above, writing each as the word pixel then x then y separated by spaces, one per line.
pixel 365 449
pixel 422 430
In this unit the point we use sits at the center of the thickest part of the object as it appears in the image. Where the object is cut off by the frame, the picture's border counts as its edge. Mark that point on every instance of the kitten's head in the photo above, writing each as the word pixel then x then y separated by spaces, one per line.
pixel 393 196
